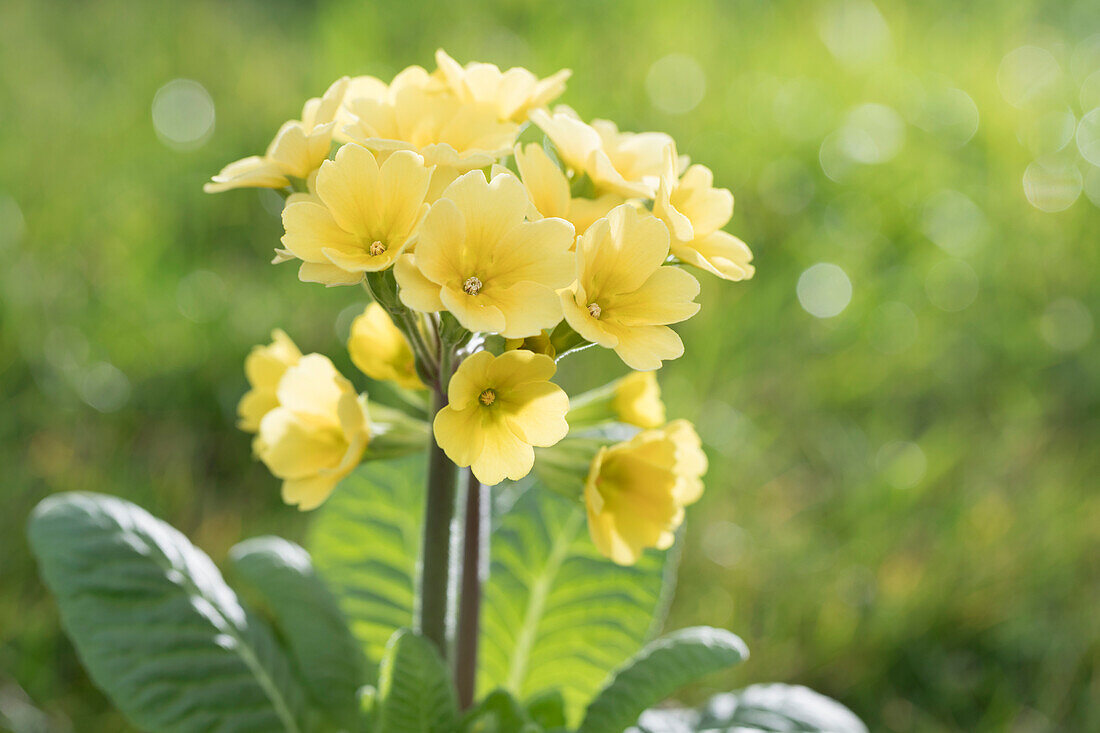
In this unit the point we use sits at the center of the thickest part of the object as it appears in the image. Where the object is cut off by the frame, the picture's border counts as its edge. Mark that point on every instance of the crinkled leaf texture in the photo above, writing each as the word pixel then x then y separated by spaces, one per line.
pixel 328 658
pixel 415 691
pixel 657 671
pixel 156 626
pixel 774 708
pixel 365 543
pixel 556 614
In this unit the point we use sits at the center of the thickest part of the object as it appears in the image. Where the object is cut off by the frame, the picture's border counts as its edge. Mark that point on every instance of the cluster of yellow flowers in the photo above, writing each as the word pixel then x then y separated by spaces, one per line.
pixel 489 259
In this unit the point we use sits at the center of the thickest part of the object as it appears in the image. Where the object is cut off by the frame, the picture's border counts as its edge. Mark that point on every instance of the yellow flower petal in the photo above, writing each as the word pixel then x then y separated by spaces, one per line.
pixel 310 229
pixel 664 298
pixel 327 274
pixel 645 348
pixel 251 172
pixel 380 350
pixel 350 187
pixel 500 407
pixel 637 400
pixel 415 290
pixel 546 184
pixel 719 253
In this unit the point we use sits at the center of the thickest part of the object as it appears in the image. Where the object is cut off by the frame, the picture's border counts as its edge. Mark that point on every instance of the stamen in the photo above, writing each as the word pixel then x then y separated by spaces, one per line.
pixel 472 286
pixel 594 310
pixel 487 397
pixel 376 248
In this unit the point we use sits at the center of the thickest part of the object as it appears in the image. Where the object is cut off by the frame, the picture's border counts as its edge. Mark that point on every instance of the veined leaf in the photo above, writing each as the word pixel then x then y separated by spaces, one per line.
pixel 556 614
pixel 328 658
pixel 154 623
pixel 415 691
pixel 777 707
pixel 365 543
pixel 657 671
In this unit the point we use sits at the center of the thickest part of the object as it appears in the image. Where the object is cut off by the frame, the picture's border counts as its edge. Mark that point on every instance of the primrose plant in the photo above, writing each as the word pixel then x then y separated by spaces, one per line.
pixel 511 579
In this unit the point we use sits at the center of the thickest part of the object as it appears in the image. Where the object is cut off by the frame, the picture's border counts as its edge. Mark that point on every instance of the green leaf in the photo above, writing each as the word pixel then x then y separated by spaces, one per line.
pixel 415 691
pixel 498 712
pixel 777 707
pixel 365 543
pixel 556 614
pixel 659 670
pixel 328 658
pixel 154 623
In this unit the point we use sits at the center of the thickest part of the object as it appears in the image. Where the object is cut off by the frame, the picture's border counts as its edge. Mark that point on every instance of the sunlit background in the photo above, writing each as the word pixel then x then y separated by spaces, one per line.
pixel 902 409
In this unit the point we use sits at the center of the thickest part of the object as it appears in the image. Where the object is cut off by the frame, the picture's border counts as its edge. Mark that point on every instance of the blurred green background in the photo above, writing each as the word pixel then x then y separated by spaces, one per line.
pixel 902 409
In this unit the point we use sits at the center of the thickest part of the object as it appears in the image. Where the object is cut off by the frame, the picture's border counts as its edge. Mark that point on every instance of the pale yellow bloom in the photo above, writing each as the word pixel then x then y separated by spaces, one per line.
pixel 627 163
pixel 623 298
pixel 499 407
pixel 298 149
pixel 636 491
pixel 478 258
pixel 417 112
pixel 264 367
pixel 317 434
pixel 362 217
pixel 695 213
pixel 539 343
pixel 380 350
pixel 510 93
pixel 548 188
pixel 637 400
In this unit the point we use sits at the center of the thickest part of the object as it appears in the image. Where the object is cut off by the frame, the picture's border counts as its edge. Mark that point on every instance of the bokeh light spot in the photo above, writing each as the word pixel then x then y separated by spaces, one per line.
pixel 1049 132
pixel 873 133
pixel 1052 187
pixel 1092 185
pixel 1066 324
pixel 104 387
pixel 12 224
pixel 902 464
pixel 1090 91
pixel 950 114
pixel 201 296
pixel 1027 75
pixel 951 286
pixel 723 543
pixel 855 32
pixel 824 290
pixel 676 84
pixel 1088 137
pixel 955 223
pixel 183 114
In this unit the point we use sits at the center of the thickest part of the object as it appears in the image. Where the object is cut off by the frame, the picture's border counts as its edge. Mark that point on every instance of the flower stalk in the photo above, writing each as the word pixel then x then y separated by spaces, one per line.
pixel 475 545
pixel 435 553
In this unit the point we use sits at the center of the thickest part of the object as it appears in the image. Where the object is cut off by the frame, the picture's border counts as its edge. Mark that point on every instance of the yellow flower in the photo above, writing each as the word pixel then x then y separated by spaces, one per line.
pixel 499 407
pixel 362 217
pixel 638 400
pixel 478 258
pixel 317 434
pixel 636 491
pixel 298 149
pixel 627 163
pixel 510 93
pixel 539 343
pixel 695 213
pixel 548 188
pixel 264 367
pixel 417 112
pixel 380 350
pixel 623 298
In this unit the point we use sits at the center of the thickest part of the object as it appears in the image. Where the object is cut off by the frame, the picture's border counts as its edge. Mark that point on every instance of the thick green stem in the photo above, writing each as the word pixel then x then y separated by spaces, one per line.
pixel 474 556
pixel 436 549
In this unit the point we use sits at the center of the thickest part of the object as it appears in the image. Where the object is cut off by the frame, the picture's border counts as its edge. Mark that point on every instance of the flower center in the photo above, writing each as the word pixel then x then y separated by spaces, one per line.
pixel 487 397
pixel 472 286
pixel 594 310
pixel 376 248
